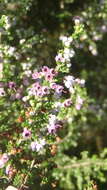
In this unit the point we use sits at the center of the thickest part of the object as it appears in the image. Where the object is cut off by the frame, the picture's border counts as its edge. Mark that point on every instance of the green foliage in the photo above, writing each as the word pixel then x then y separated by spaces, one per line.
pixel 30 33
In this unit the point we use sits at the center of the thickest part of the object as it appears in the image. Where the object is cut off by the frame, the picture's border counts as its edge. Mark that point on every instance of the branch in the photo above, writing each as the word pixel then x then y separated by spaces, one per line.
pixel 97 162
pixel 25 179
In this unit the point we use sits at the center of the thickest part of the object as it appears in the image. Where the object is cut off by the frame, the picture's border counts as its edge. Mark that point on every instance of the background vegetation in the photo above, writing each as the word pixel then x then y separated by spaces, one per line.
pixel 33 28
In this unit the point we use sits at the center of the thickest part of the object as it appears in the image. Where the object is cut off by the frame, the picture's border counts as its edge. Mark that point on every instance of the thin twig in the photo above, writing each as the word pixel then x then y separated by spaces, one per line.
pixel 25 179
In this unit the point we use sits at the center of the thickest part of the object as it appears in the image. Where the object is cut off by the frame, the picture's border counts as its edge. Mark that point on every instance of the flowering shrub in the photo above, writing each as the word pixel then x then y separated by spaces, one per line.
pixel 44 112
pixel 37 111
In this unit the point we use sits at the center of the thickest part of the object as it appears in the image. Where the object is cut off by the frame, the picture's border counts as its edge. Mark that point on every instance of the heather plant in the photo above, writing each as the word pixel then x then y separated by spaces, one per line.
pixel 39 107
pixel 45 111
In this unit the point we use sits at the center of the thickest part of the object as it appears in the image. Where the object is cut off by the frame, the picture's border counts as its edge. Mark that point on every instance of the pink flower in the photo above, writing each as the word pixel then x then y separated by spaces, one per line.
pixel 52 128
pixel 26 81
pixel 48 77
pixel 4 159
pixel 45 69
pixel 26 133
pixel 48 73
pixel 78 106
pixel 60 58
pixel 18 96
pixel 53 85
pixel 79 103
pixel 53 125
pixel 36 89
pixel 36 86
pixel 79 100
pixel 19 93
pixel 36 75
pixel 45 90
pixel 67 103
pixel 8 168
pixel 59 89
pixel 53 72
pixel 12 85
pixel 40 93
pixel 2 84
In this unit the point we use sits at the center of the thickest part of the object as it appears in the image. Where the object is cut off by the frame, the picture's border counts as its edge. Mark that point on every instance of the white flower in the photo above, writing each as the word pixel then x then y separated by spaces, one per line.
pixel 8 169
pixel 22 41
pixel 69 81
pixel 71 90
pixel 7 24
pixel 67 43
pixel 104 28
pixel 28 73
pixel 63 38
pixel 79 100
pixel 58 104
pixel 25 98
pixel 70 39
pixel 67 84
pixel 79 103
pixel 11 188
pixel 37 145
pixel 1 163
pixel 66 40
pixel 57 95
pixel 60 58
pixel 32 112
pixel 52 119
pixel 67 57
pixel 77 20
pixel 70 119
pixel 90 47
pixel 2 92
pixel 69 65
pixel 11 51
pixel 94 52
pixel 26 66
pixel 33 146
pixel 72 53
pixel 17 55
pixel 66 51
pixel 30 92
pixel 82 82
pixel 42 142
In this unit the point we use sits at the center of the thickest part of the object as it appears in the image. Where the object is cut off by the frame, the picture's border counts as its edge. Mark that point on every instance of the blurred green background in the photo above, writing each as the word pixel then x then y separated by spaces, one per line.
pixel 40 23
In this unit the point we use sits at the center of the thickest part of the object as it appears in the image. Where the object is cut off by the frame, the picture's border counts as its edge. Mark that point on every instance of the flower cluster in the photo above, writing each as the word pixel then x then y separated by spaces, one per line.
pixel 39 88
pixel 67 53
pixel 37 145
pixel 3 160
